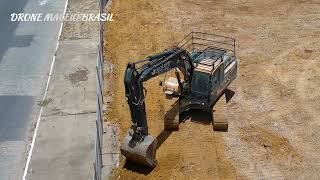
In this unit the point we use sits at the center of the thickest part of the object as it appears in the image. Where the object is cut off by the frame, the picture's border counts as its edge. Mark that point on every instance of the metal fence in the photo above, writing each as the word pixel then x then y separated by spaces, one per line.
pixel 98 164
pixel 99 117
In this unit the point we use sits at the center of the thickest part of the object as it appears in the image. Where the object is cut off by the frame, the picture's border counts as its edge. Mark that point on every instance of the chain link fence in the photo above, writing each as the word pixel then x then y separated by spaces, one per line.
pixel 98 164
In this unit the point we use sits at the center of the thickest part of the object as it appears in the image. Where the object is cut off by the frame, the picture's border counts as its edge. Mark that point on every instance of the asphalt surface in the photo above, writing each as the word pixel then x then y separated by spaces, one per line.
pixel 26 51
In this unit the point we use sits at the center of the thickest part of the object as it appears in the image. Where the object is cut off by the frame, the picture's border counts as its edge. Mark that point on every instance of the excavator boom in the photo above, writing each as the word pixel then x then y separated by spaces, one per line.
pixel 138 145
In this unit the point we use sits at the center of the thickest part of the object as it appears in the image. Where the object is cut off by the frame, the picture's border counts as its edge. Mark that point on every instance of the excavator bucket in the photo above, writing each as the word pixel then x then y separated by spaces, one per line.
pixel 143 152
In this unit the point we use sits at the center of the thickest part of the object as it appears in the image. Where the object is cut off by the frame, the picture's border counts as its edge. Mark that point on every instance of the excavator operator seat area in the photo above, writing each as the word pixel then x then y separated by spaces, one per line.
pixel 171 86
pixel 207 65
pixel 208 60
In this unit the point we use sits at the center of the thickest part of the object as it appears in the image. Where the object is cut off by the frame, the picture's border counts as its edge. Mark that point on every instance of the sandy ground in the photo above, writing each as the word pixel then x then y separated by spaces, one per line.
pixel 274 115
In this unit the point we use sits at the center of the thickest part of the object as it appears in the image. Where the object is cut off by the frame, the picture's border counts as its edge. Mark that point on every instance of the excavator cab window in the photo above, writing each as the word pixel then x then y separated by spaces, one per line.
pixel 200 83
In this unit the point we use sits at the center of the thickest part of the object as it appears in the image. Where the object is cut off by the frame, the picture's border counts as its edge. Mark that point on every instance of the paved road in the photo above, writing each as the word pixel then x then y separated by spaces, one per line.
pixel 26 51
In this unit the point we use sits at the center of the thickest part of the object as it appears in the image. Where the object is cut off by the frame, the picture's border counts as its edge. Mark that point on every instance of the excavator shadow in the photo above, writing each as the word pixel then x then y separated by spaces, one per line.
pixel 169 117
pixel 229 94
pixel 134 167
pixel 198 116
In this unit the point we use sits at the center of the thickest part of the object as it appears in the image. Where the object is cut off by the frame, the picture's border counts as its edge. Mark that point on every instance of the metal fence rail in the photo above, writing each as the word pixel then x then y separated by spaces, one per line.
pixel 98 164
pixel 99 117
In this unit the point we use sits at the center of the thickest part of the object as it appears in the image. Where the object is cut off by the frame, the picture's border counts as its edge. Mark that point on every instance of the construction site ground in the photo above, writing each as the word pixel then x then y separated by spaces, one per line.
pixel 274 116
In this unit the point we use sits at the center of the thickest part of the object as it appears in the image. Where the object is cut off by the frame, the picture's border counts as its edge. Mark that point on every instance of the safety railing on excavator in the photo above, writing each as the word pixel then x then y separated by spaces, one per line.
pixel 199 41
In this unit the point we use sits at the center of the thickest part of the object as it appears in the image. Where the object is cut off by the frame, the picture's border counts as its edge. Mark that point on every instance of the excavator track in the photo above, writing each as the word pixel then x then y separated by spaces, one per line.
pixel 219 120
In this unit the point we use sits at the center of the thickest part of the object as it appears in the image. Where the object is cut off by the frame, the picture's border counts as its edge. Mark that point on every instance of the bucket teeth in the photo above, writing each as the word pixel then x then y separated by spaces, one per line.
pixel 143 152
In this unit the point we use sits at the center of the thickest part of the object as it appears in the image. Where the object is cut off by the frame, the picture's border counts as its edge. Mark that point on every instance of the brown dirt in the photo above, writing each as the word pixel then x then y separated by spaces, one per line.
pixel 275 114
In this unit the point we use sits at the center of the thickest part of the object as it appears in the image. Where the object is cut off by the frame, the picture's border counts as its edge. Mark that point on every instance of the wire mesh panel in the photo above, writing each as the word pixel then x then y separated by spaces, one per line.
pixel 98 165
pixel 99 130
pixel 98 156
pixel 99 117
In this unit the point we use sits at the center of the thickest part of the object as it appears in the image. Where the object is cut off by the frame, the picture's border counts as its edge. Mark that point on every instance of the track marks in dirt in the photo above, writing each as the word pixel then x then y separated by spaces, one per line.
pixel 278 148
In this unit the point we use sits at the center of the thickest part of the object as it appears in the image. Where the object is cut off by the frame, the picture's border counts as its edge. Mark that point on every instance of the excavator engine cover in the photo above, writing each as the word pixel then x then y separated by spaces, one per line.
pixel 143 152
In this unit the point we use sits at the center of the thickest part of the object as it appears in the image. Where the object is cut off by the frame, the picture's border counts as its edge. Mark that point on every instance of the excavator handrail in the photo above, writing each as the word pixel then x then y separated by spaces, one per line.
pixel 194 38
pixel 212 41
pixel 197 32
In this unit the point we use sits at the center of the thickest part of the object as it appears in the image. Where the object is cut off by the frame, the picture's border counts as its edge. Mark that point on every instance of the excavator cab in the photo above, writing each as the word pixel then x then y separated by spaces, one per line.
pixel 207 79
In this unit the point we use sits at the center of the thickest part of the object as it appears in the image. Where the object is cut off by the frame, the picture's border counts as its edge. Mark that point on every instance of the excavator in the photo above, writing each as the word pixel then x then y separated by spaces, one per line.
pixel 204 66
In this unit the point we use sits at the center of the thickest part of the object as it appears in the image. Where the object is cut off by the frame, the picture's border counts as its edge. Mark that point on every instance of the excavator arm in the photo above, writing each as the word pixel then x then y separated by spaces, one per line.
pixel 134 78
pixel 138 145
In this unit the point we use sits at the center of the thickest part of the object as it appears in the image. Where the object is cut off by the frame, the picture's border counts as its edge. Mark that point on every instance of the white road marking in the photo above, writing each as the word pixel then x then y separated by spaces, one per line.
pixel 44 97
pixel 43 2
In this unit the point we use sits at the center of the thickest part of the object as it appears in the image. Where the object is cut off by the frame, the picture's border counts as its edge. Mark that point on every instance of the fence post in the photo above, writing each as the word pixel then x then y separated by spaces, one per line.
pixel 99 119
pixel 101 59
pixel 99 149
pixel 98 165
pixel 99 69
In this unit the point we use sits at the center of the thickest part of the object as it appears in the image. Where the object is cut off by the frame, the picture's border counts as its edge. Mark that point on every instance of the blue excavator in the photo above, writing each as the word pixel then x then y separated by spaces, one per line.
pixel 204 65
